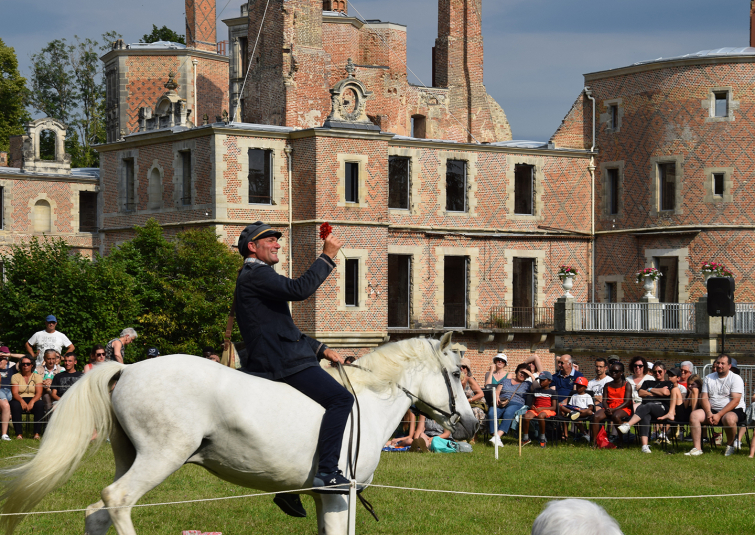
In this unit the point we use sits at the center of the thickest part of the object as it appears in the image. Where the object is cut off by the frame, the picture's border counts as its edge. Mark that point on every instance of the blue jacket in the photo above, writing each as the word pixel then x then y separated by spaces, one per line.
pixel 275 347
pixel 565 385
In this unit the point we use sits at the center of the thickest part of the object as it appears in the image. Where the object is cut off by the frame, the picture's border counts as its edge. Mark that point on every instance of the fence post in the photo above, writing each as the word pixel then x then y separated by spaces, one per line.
pixel 352 508
pixel 495 421
pixel 706 328
pixel 563 314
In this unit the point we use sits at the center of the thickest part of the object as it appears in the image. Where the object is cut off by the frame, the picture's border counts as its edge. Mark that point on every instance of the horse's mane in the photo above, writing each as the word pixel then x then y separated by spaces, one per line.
pixel 381 369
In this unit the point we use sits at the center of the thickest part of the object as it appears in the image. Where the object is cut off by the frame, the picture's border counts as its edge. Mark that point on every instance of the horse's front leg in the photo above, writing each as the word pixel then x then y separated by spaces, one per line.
pixel 332 514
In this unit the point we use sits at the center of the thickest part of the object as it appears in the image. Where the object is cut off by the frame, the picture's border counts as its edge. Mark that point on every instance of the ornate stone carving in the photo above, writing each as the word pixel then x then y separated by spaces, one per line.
pixel 349 103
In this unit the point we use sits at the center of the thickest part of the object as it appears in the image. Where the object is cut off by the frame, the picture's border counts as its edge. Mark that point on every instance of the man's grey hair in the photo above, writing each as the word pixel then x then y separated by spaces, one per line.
pixel 575 517
pixel 689 365
pixel 567 358
pixel 128 331
pixel 49 351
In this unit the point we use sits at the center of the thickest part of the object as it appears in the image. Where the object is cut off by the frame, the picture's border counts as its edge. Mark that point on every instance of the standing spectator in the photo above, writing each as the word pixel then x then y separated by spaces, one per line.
pixel 95 357
pixel 115 348
pixel 510 394
pixel 688 369
pixel 656 396
pixel 48 339
pixel 26 387
pixel 601 378
pixel 722 404
pixel 47 372
pixel 542 403
pixel 617 400
pixel 153 352
pixel 638 367
pixel 65 380
pixel 6 373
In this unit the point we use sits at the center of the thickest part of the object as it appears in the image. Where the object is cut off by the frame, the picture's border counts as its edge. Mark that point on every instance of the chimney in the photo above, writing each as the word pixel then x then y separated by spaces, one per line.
pixel 200 25
pixel 335 5
pixel 752 26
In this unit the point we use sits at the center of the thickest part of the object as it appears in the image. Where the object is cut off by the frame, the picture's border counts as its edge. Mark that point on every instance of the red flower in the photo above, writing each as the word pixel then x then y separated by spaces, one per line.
pixel 325 230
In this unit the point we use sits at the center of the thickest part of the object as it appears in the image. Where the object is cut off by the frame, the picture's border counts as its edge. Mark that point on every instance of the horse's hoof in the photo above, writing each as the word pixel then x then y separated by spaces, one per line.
pixel 290 504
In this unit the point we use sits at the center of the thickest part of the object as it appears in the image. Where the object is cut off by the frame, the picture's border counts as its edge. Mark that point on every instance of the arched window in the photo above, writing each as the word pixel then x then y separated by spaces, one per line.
pixel 42 216
pixel 155 190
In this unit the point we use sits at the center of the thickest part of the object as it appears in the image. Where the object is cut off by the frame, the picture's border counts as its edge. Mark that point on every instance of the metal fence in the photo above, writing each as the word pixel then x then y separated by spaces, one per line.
pixel 520 318
pixel 635 317
pixel 743 321
pixel 746 372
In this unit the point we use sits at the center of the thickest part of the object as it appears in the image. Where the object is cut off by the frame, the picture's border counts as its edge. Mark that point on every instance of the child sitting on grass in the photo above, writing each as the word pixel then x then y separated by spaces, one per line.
pixel 542 403
pixel 580 405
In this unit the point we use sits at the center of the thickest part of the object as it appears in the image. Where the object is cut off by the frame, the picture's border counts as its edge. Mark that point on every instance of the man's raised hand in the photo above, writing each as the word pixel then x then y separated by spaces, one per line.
pixel 331 246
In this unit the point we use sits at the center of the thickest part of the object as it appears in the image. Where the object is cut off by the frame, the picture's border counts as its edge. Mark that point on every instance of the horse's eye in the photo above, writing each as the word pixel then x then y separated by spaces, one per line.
pixel 457 374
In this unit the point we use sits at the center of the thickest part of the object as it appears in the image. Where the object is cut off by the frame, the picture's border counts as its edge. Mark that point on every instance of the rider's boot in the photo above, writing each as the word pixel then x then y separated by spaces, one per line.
pixel 290 504
pixel 332 483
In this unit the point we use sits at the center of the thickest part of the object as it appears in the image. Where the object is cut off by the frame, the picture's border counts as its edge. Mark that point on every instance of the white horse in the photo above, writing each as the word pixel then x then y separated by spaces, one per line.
pixel 177 409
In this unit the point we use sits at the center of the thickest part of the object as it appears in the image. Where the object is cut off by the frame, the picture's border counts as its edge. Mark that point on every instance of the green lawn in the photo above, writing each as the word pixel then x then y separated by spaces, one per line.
pixel 565 470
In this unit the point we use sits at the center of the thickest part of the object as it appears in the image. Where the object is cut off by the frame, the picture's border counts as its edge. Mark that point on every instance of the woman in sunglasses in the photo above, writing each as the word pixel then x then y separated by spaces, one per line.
pixel 26 388
pixel 95 357
pixel 638 367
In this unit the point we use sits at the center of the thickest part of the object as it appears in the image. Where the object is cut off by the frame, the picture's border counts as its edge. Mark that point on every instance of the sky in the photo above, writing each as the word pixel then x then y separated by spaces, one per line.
pixel 536 51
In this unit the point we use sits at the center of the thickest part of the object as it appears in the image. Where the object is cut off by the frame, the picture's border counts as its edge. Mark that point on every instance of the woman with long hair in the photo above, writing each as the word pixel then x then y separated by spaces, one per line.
pixel 510 394
pixel 617 400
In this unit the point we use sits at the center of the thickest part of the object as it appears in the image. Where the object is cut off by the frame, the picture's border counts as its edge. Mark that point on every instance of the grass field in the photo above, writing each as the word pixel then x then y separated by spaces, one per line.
pixel 565 470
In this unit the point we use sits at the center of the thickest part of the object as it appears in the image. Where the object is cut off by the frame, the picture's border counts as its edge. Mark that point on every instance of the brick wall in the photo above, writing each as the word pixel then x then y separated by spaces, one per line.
pixel 200 24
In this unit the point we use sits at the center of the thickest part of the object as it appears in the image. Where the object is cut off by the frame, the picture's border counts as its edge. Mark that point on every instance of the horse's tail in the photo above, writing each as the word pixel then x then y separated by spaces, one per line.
pixel 85 408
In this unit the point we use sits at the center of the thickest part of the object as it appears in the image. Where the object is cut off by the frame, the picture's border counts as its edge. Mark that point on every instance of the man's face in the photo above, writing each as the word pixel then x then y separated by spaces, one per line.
pixel 564 365
pixel 50 326
pixel 722 366
pixel 266 250
pixel 69 363
pixel 600 368
pixel 50 360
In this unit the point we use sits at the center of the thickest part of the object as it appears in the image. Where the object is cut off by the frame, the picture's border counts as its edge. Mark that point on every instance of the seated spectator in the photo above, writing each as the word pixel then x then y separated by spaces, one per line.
pixel 65 380
pixel 47 372
pixel 693 399
pixel 26 388
pixel 563 381
pixel 207 351
pixel 601 378
pixel 638 366
pixel 510 398
pixel 473 392
pixel 426 430
pixel 542 403
pixel 497 371
pixel 115 348
pixel 688 369
pixel 722 404
pixel 656 399
pixel 95 357
pixel 405 431
pixel 6 373
pixel 48 339
pixel 574 517
pixel 153 352
pixel 214 356
pixel 533 369
pixel 677 395
pixel 617 400
pixel 580 405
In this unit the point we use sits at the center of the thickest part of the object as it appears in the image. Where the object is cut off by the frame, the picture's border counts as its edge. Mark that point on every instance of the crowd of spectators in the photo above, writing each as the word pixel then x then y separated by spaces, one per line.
pixel 40 377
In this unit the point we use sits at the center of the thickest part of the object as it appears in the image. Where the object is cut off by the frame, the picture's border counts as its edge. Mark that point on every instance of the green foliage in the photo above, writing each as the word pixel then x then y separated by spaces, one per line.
pixel 162 34
pixel 93 300
pixel 67 84
pixel 13 95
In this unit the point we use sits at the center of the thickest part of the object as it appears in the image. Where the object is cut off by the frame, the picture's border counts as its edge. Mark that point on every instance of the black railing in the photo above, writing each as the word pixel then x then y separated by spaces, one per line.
pixel 520 318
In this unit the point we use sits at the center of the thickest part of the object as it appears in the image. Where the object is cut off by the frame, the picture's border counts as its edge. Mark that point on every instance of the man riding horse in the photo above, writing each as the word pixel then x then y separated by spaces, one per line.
pixel 279 351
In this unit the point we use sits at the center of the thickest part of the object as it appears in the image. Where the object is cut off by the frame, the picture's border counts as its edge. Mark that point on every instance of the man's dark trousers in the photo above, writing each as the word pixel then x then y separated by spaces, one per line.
pixel 316 383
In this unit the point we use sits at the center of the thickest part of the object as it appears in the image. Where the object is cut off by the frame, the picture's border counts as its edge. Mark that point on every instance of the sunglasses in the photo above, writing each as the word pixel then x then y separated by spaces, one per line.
pixel 25 364
pixel 638 366
pixel 99 354
pixel 658 372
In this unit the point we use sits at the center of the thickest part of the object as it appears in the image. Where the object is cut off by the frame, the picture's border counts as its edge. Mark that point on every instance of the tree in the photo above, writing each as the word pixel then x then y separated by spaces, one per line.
pixel 93 300
pixel 13 95
pixel 162 34
pixel 67 83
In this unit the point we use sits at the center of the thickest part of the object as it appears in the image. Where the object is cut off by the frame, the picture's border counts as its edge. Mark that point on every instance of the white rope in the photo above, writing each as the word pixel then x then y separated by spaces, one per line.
pixel 249 67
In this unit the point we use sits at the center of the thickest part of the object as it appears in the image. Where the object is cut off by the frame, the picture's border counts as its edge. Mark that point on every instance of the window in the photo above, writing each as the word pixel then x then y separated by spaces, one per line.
pixel 352 182
pixel 260 176
pixel 667 286
pixel 128 167
pixel 718 184
pixel 456 186
pixel 455 291
pixel 352 282
pixel 721 108
pixel 524 190
pixel 42 216
pixel 614 110
pixel 667 185
pixel 399 289
pixel 419 126
pixel 611 292
pixel 186 175
pixel 244 56
pixel 398 182
pixel 87 211
pixel 612 184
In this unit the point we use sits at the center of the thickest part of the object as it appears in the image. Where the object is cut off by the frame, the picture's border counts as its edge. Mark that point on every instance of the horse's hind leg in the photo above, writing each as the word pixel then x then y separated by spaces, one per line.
pixel 98 519
pixel 332 514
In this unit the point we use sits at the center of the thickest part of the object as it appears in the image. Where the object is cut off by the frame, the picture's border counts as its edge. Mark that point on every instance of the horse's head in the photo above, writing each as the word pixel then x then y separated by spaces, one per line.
pixel 441 394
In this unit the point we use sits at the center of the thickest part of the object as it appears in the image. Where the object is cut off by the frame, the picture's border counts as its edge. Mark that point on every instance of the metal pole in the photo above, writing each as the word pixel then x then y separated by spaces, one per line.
pixel 519 420
pixel 723 336
pixel 495 421
pixel 352 508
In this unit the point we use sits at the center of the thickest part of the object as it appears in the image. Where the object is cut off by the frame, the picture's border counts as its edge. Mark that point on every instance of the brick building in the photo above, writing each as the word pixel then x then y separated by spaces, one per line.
pixel 448 223
pixel 44 197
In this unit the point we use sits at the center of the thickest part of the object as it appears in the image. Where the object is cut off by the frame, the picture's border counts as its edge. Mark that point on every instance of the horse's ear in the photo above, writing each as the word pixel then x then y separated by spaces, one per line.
pixel 446 341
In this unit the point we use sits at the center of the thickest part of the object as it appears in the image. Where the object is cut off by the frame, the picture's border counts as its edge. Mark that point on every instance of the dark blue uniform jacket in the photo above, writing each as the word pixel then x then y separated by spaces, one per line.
pixel 275 347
